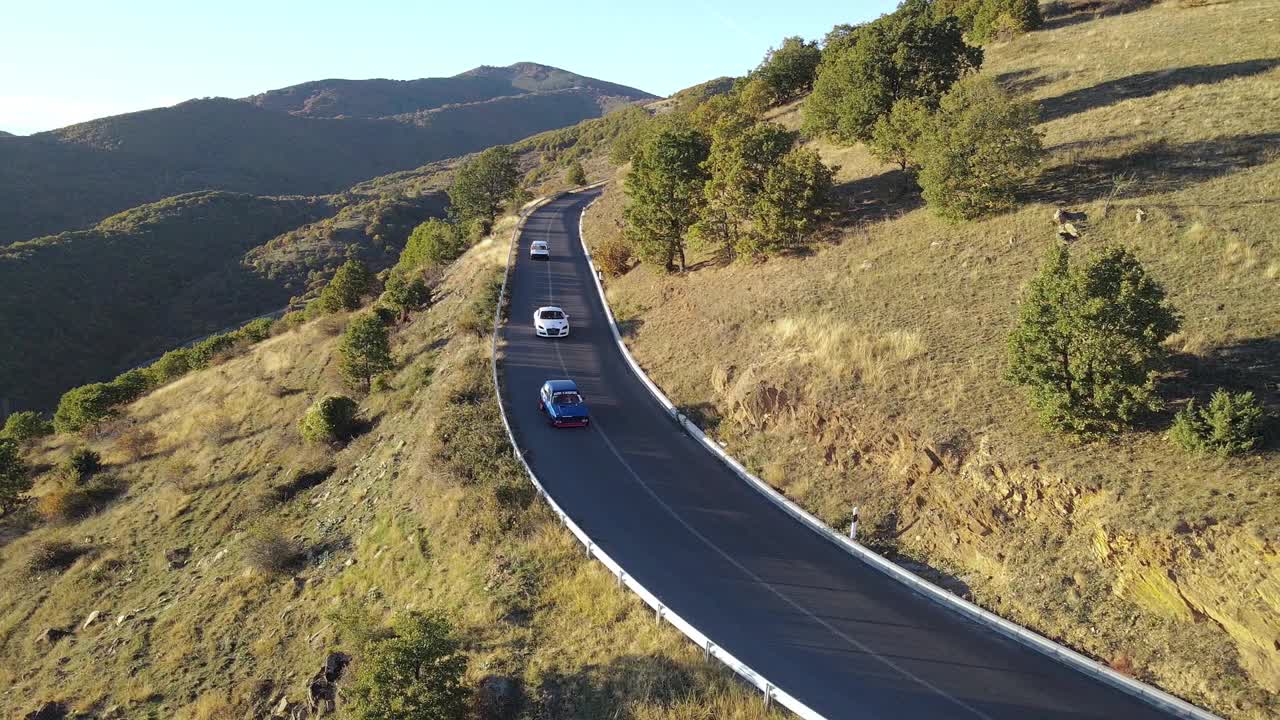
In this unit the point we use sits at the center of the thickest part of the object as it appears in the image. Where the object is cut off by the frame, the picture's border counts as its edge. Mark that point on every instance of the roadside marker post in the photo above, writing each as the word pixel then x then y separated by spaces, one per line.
pixel 853 524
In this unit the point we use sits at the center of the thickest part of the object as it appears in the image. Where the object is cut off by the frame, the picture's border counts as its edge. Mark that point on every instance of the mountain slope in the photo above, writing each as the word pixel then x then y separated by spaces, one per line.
pixel 422 512
pixel 870 371
pixel 74 176
pixel 381 98
pixel 84 305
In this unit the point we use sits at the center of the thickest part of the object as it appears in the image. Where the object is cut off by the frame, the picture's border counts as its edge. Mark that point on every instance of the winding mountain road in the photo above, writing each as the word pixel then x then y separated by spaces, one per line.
pixel 820 624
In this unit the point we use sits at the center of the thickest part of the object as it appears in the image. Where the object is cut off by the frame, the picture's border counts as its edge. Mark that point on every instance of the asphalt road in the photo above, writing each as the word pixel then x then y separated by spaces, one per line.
pixel 821 625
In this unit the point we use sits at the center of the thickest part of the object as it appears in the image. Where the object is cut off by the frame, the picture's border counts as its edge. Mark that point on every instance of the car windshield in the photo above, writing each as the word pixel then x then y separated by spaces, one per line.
pixel 552 315
pixel 539 246
pixel 568 399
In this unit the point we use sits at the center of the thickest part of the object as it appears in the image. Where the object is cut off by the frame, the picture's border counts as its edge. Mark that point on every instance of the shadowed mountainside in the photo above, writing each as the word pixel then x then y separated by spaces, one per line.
pixel 310 139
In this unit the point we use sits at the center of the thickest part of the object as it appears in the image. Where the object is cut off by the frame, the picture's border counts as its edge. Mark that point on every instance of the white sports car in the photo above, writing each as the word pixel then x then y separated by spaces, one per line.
pixel 550 321
pixel 538 250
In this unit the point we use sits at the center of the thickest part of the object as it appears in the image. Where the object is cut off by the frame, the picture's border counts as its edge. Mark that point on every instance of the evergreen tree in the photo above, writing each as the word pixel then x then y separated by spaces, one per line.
pixel 910 54
pixel 365 350
pixel 576 175
pixel 664 194
pixel 14 478
pixel 349 284
pixel 483 186
pixel 1089 340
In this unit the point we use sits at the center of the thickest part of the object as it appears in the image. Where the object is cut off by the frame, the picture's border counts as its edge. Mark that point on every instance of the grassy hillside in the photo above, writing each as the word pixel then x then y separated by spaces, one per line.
pixel 421 512
pixel 72 177
pixel 82 306
pixel 870 371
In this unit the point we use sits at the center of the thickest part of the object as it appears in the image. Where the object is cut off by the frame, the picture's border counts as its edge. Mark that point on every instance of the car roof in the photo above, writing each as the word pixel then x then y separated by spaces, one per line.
pixel 562 386
pixel 549 307
pixel 539 242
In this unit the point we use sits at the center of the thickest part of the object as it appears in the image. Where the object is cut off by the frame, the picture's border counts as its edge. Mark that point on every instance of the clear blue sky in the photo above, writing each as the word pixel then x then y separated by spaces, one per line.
pixel 70 61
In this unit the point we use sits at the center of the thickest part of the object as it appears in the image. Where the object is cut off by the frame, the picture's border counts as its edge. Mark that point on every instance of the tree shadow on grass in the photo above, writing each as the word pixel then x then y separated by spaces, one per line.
pixel 1147 84
pixel 1065 13
pixel 1156 168
pixel 1251 365
pixel 878 197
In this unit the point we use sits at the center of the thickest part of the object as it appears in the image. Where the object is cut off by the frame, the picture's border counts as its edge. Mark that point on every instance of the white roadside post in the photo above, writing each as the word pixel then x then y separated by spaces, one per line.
pixel 853 524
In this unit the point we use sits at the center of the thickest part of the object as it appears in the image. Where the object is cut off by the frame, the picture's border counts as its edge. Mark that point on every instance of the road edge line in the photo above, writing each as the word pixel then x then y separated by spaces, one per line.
pixel 771 692
pixel 1029 638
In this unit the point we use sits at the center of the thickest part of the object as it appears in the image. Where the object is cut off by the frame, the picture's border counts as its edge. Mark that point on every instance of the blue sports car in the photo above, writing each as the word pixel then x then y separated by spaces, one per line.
pixel 563 404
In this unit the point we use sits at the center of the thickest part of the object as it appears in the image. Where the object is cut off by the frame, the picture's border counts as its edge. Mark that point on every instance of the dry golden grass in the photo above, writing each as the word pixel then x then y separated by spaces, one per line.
pixel 871 371
pixel 386 527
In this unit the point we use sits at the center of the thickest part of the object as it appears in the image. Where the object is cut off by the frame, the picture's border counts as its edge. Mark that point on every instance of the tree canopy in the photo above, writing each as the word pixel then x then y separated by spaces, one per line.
pixel 664 191
pixel 788 70
pixel 1089 340
pixel 483 186
pixel 911 54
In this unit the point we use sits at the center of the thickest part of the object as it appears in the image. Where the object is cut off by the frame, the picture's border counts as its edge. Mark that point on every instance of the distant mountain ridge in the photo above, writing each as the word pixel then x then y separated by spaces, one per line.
pixel 314 138
pixel 380 98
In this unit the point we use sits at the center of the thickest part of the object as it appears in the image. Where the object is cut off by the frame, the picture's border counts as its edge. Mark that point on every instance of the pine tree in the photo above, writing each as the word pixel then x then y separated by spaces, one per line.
pixel 365 350
pixel 1088 341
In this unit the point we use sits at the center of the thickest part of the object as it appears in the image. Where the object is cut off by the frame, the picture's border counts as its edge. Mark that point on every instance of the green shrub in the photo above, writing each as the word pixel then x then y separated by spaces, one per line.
pixel 85 406
pixel 405 294
pixel 576 176
pixel 131 385
pixel 364 350
pixel 1089 341
pixel 14 476
pixel 329 419
pixel 1230 425
pixel 435 243
pixel 25 425
pixel 171 366
pixel 344 291
pixel 979 149
pixel 911 54
pixel 255 331
pixel 417 674
pixel 85 462
pixel 204 353
pixel 1001 19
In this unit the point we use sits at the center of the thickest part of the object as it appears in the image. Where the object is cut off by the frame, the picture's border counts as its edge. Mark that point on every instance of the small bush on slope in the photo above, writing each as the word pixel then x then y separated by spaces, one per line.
pixel 329 419
pixel 25 425
pixel 1230 425
pixel 416 674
